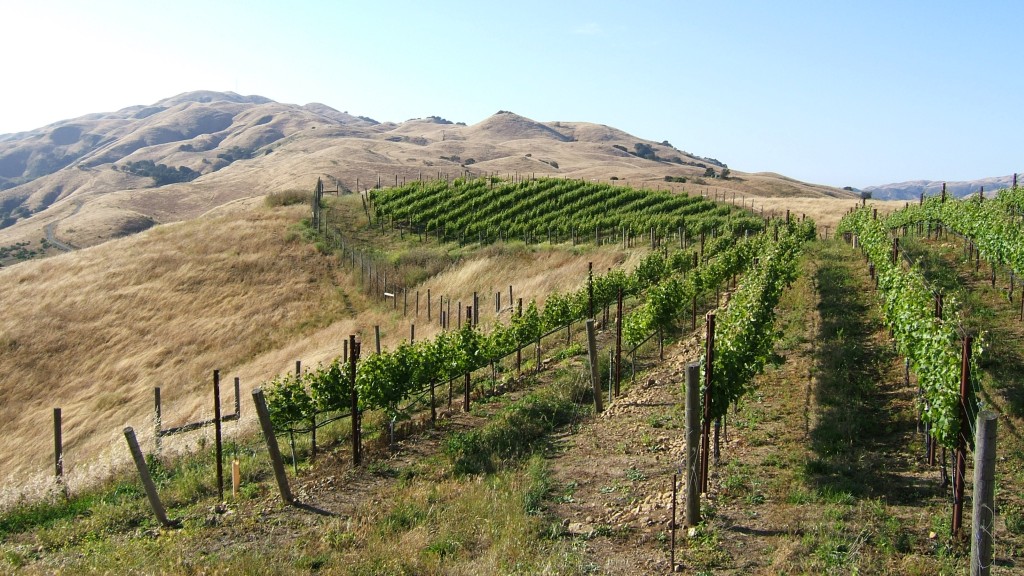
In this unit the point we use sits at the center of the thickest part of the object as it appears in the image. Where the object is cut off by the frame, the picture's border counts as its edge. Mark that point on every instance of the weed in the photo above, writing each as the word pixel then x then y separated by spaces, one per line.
pixel 1013 516
pixel 404 516
pixel 704 550
pixel 635 475
pixel 574 349
pixel 538 486
pixel 444 547
pixel 514 433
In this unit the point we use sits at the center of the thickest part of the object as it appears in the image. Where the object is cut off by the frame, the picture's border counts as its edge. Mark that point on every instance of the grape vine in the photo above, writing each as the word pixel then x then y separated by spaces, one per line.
pixel 931 344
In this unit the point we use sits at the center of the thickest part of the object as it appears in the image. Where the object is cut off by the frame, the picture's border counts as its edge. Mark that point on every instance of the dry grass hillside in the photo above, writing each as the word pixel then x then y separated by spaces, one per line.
pixel 94 331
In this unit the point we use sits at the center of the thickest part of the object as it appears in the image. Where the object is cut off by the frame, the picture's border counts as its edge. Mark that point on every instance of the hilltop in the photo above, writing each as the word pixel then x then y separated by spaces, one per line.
pixel 84 181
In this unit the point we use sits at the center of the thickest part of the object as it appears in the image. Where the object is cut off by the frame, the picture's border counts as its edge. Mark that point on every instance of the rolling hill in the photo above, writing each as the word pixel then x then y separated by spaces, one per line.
pixel 84 181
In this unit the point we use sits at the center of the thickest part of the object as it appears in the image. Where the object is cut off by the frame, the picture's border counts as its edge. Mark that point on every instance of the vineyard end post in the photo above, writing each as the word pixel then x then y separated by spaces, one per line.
pixel 219 448
pixel 58 447
pixel 984 493
pixel 147 480
pixel 693 481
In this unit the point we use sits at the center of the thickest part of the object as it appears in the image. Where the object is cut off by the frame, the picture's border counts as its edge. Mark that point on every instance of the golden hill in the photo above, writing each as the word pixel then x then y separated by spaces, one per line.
pixel 72 181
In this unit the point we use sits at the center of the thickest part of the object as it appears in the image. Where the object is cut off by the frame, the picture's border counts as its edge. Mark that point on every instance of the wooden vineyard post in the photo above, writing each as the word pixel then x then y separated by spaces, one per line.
pixel 465 390
pixel 357 453
pixel 618 343
pixel 376 337
pixel 147 480
pixel 476 310
pixel 428 305
pixel 595 378
pixel 709 360
pixel 693 473
pixel 433 402
pixel 275 453
pixel 157 420
pixel 219 448
pixel 519 345
pixel 58 447
pixel 984 493
pixel 537 365
pixel 960 455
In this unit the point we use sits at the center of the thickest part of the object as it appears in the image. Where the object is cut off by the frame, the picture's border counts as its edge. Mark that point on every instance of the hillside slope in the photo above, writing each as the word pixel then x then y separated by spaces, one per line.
pixel 87 180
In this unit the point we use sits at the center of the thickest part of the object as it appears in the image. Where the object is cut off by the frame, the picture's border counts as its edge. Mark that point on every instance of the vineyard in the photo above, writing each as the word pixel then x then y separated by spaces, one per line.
pixel 664 285
pixel 552 210
pixel 803 393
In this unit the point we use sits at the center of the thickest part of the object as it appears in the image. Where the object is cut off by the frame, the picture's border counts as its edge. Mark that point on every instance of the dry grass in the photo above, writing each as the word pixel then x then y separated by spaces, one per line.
pixel 94 331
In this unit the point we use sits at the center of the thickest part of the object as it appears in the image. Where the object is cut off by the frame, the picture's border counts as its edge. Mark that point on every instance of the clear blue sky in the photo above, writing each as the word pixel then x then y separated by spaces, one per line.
pixel 841 93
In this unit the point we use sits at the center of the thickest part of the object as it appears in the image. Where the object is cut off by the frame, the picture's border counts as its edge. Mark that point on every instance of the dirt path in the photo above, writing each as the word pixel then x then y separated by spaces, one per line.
pixel 49 229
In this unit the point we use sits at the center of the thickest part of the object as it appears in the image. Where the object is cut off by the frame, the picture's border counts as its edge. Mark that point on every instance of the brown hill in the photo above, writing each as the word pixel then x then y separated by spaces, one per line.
pixel 220 147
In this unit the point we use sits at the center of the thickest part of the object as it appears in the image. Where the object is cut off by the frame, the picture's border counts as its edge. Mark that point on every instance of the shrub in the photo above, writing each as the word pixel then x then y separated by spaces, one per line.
pixel 287 198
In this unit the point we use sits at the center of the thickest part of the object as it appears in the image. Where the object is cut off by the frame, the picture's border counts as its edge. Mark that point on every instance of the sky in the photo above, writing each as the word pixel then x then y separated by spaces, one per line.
pixel 846 93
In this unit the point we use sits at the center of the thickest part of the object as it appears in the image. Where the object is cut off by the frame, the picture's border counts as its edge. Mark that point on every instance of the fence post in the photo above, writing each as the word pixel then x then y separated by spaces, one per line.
pixel 157 420
pixel 275 453
pixel 147 480
pixel 353 357
pixel 217 435
pixel 984 493
pixel 238 400
pixel 693 479
pixel 58 447
pixel 376 337
pixel 595 378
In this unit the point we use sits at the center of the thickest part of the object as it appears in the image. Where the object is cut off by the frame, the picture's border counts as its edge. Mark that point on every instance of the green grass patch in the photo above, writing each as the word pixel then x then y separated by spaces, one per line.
pixel 515 432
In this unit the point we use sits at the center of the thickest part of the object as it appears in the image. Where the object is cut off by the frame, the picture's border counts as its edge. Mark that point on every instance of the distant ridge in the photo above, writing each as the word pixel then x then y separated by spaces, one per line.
pixel 913 189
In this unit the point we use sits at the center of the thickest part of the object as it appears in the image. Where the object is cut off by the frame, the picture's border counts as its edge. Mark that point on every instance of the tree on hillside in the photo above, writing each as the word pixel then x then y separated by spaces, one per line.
pixel 645 151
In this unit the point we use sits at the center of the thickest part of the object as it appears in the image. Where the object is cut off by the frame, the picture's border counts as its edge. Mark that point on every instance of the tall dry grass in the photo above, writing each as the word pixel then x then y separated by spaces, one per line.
pixel 94 331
